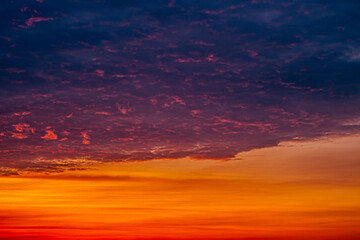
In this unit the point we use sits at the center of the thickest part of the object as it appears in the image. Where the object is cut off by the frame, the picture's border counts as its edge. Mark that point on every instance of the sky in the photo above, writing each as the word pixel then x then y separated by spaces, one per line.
pixel 274 193
pixel 179 119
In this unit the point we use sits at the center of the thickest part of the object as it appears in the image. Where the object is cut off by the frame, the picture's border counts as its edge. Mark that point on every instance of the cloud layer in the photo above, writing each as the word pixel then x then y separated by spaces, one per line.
pixel 138 80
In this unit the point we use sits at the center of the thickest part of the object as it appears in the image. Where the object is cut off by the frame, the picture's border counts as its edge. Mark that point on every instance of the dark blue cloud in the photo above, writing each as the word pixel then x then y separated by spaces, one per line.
pixel 123 80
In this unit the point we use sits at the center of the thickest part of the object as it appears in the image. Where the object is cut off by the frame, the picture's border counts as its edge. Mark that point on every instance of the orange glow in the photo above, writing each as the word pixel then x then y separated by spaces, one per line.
pixel 298 190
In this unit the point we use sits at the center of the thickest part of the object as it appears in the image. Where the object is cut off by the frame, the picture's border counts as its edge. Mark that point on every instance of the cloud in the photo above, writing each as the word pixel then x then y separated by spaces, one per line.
pixel 50 135
pixel 86 138
pixel 19 135
pixel 23 127
pixel 144 81
pixel 30 22
pixel 8 171
pixel 353 54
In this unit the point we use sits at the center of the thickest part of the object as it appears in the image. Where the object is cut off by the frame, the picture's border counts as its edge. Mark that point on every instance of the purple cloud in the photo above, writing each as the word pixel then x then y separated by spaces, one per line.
pixel 131 80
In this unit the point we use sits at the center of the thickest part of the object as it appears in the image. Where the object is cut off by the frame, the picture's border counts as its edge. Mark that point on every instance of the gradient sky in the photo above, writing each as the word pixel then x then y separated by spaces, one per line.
pixel 88 88
pixel 298 191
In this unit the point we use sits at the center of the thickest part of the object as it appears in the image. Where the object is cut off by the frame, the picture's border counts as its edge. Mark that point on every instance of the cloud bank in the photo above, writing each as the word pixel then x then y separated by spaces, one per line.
pixel 139 80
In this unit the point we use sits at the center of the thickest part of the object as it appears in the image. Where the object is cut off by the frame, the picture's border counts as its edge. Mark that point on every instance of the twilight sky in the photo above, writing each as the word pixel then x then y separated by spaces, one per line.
pixel 179 120
pixel 101 81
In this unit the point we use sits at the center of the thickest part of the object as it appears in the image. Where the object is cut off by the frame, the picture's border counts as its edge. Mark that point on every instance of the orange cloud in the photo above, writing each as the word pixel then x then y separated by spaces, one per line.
pixel 20 127
pixel 23 127
pixel 102 113
pixel 19 135
pixel 50 135
pixel 86 138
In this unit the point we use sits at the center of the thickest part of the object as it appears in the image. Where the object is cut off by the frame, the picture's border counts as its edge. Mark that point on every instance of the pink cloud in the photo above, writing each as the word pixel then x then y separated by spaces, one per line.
pixel 21 114
pixel 100 72
pixel 102 113
pixel 32 20
pixel 123 109
pixel 187 60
